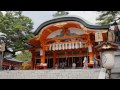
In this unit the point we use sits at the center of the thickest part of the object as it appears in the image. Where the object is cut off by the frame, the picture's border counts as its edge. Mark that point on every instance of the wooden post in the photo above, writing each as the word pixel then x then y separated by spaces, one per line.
pixel 100 62
pixel 33 59
pixel 54 59
pixel 91 57
pixel 90 53
pixel 43 56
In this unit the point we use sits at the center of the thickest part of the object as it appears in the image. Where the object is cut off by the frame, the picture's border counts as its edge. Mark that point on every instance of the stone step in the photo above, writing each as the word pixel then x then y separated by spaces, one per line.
pixel 51 74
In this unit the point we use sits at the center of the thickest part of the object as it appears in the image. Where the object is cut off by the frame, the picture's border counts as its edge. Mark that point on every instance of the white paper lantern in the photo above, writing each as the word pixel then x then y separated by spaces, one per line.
pixel 66 47
pixel 50 47
pixel 70 46
pixel 76 45
pixel 63 47
pixel 59 48
pixel 73 46
pixel 80 44
pixel 56 47
pixel 53 47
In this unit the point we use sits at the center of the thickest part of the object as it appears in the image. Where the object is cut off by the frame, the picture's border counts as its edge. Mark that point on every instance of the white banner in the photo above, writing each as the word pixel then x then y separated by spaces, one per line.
pixel 41 52
pixel 111 36
pixel 98 37
pixel 2 47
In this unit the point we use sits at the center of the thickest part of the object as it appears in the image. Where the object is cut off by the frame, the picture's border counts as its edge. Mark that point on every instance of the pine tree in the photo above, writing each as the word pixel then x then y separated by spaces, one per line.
pixel 60 13
pixel 106 17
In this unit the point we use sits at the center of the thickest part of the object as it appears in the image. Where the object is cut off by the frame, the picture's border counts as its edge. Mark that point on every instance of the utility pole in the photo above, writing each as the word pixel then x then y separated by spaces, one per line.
pixel 2 49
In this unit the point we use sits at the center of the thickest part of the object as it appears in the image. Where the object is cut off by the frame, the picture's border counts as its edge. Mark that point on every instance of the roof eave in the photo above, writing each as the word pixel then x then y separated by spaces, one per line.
pixel 61 19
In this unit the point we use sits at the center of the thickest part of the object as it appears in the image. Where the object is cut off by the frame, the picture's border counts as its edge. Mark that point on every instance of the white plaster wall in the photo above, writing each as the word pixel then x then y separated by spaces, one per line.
pixel 76 31
pixel 55 33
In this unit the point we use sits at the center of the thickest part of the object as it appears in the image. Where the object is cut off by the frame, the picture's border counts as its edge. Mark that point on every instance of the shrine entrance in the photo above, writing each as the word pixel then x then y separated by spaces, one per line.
pixel 49 62
pixel 66 57
pixel 67 62
pixel 65 42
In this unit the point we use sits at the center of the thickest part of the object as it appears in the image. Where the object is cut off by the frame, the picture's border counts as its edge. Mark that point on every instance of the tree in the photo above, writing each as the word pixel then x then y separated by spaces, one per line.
pixel 106 17
pixel 25 55
pixel 16 29
pixel 60 13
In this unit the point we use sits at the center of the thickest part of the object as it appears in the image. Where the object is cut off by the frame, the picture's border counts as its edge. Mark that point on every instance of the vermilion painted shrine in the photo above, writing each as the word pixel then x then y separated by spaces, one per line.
pixel 68 40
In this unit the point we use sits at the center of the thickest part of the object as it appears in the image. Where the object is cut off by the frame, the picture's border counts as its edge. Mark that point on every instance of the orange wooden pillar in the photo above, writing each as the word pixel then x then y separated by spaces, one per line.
pixel 81 62
pixel 54 59
pixel 90 53
pixel 42 56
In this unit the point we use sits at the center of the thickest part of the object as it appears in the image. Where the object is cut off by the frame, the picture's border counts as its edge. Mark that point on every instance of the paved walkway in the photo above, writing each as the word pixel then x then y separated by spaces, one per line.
pixel 115 73
pixel 51 74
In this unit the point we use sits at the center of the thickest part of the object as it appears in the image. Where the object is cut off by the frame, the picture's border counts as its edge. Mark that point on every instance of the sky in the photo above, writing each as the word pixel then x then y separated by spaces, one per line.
pixel 38 17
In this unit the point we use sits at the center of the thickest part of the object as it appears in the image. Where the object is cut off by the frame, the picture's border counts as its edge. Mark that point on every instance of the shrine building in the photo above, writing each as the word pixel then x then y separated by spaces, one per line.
pixel 68 40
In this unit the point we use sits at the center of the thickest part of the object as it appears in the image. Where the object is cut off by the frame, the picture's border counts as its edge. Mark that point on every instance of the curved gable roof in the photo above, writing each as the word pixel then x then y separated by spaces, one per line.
pixel 70 18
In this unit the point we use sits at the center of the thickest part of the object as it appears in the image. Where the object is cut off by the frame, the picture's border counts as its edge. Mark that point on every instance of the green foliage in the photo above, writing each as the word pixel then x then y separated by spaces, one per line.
pixel 60 13
pixel 28 67
pixel 17 29
pixel 25 55
pixel 106 17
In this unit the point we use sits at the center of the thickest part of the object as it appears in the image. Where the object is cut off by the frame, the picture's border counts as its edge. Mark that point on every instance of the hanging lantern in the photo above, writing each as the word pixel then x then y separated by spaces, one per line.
pixel 80 44
pixel 70 46
pixel 66 46
pixel 76 45
pixel 73 45
pixel 50 47
pixel 63 46
pixel 89 48
pixel 56 47
pixel 53 47
pixel 59 48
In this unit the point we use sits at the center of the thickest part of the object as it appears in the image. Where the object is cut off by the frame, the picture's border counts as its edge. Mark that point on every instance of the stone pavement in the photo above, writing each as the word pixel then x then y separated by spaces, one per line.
pixel 51 74
pixel 115 73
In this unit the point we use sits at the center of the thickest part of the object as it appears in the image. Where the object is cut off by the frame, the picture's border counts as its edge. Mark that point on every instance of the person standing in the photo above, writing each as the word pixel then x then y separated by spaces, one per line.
pixel 10 66
pixel 95 64
pixel 85 62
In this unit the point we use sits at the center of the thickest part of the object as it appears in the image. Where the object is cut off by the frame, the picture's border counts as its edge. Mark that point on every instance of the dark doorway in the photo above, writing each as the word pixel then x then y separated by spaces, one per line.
pixel 49 62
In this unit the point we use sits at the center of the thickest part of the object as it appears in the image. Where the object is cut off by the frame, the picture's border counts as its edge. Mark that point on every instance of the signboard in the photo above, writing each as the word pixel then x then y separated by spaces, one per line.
pixel 98 37
pixel 111 36
pixel 2 47
pixel 41 52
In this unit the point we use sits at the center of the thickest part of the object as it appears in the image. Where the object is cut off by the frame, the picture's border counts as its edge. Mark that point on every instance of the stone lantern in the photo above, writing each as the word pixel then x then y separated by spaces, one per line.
pixel 107 54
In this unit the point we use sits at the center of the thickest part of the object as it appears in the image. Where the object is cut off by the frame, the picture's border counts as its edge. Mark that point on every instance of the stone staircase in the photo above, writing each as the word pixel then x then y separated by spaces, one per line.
pixel 51 74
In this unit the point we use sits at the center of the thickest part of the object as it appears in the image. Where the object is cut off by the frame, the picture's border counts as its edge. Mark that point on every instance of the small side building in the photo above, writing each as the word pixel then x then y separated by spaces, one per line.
pixel 11 61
